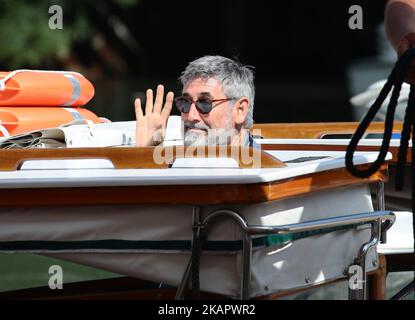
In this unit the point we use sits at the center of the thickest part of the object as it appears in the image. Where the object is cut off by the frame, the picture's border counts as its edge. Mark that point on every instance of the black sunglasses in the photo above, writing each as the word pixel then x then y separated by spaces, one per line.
pixel 203 105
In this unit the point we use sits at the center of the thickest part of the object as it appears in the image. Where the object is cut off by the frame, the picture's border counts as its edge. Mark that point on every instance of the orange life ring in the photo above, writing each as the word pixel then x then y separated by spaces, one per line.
pixel 44 89
pixel 23 119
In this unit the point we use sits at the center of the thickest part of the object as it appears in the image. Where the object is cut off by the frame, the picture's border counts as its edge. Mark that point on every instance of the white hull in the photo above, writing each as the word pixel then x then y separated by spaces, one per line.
pixel 301 263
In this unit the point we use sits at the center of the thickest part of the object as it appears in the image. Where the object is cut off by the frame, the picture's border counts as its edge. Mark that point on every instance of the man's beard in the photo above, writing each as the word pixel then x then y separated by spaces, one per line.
pixel 206 136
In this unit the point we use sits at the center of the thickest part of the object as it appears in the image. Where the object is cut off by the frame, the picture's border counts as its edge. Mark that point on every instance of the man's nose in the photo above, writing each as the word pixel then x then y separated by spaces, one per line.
pixel 193 114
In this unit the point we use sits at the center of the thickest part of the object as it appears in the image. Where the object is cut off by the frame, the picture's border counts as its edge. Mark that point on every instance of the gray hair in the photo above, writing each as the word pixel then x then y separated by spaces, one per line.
pixel 237 80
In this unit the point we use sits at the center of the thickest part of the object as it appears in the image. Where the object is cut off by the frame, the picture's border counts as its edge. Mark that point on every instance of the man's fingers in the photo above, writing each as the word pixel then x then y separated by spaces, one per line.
pixel 167 106
pixel 159 99
pixel 149 101
pixel 138 110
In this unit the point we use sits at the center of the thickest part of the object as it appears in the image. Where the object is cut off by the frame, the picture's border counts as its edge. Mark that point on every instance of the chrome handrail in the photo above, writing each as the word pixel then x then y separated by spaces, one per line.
pixel 333 222
pixel 375 218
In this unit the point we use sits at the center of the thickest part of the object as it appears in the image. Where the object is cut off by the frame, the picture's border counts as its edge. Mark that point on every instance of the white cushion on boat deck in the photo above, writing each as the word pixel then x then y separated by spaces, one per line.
pixel 205 163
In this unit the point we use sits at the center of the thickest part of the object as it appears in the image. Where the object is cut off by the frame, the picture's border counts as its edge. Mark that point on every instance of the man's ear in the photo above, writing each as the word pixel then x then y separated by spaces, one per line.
pixel 240 110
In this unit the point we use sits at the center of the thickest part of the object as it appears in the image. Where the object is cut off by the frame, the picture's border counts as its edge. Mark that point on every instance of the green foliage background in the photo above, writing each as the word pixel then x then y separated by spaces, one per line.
pixel 27 39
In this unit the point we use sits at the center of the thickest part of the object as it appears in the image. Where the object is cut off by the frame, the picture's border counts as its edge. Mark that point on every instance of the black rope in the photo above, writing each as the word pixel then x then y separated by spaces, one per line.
pixel 197 242
pixel 394 83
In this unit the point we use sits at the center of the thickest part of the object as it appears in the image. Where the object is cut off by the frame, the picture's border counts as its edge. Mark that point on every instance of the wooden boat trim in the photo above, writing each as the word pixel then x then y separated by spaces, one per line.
pixel 315 130
pixel 140 158
pixel 187 194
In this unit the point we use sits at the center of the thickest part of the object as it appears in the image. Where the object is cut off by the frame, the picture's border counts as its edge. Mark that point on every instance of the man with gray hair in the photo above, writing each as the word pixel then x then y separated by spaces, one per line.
pixel 216 105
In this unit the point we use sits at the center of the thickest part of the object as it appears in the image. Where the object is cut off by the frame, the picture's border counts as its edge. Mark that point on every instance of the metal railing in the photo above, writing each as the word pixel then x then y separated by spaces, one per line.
pixel 380 221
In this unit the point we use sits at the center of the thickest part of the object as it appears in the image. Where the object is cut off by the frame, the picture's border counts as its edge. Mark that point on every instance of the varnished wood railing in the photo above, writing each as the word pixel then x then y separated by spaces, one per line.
pixel 315 130
pixel 140 158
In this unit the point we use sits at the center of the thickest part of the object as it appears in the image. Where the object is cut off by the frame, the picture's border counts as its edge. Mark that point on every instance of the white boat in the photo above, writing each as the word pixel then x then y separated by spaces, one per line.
pixel 270 229
pixel 313 137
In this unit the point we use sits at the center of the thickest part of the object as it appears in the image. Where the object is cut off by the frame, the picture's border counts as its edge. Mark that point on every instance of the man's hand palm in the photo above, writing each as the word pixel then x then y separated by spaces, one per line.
pixel 151 127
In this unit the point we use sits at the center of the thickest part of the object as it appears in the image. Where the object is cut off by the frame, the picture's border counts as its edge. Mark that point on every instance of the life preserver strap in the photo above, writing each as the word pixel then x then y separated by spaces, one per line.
pixel 4 131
